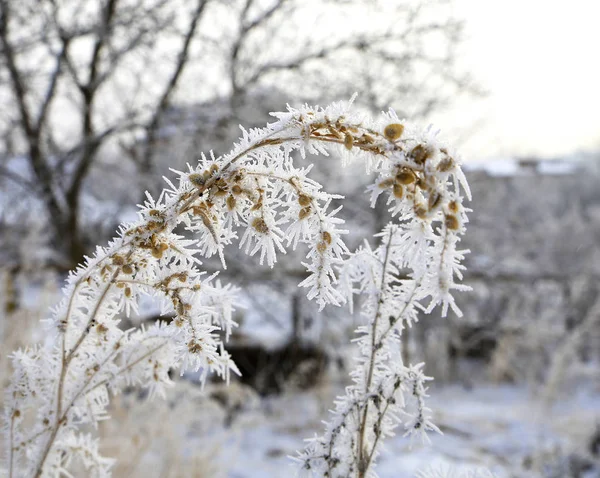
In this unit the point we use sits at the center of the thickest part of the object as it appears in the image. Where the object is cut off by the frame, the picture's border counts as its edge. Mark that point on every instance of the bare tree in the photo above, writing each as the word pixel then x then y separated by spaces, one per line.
pixel 80 79
pixel 66 66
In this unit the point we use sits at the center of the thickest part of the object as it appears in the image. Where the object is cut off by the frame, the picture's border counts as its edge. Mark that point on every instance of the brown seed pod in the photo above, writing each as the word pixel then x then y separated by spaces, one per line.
pixel 398 191
pixel 237 190
pixel 259 224
pixel 197 179
pixel 154 212
pixel 420 154
pixel 452 222
pixel 118 260
pixel 386 183
pixel 304 200
pixel 406 176
pixel 393 131
pixel 127 291
pixel 127 269
pixel 348 141
pixel 157 252
pixel 421 211
pixel 326 237
pixel 434 200
pixel 445 164
pixel 231 203
pixel 322 247
pixel 304 212
pixel 453 206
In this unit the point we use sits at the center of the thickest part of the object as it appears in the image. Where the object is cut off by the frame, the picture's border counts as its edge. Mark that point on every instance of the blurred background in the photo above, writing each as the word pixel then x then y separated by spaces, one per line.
pixel 99 98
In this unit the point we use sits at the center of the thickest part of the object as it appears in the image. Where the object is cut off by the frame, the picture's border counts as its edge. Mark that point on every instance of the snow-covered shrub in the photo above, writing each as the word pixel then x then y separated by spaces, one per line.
pixel 257 195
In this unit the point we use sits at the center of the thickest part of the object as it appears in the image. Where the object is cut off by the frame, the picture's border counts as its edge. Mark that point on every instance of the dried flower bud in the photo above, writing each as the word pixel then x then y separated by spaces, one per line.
pixel 236 189
pixel 194 347
pixel 420 154
pixel 127 291
pixel 326 237
pixel 421 211
pixel 157 252
pixel 406 176
pixel 197 179
pixel 453 206
pixel 386 183
pixel 393 131
pixel 127 269
pixel 259 224
pixel 434 199
pixel 348 141
pixel 118 260
pixel 304 200
pixel 322 247
pixel 231 203
pixel 445 164
pixel 304 212
pixel 398 191
pixel 452 222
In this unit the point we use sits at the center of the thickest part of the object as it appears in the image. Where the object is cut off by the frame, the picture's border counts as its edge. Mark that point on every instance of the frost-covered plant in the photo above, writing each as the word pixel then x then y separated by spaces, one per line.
pixel 257 194
pixel 409 267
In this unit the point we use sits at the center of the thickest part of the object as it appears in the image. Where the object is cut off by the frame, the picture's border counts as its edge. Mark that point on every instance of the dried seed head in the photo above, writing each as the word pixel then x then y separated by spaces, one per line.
pixel 322 247
pixel 326 237
pixel 157 252
pixel 420 153
pixel 220 192
pixel 194 347
pixel 434 199
pixel 214 167
pixel 197 179
pixel 398 191
pixel 231 203
pixel 101 328
pixel 421 211
pixel 386 183
pixel 453 206
pixel 237 190
pixel 118 260
pixel 445 164
pixel 348 141
pixel 127 291
pixel 259 224
pixel 304 200
pixel 304 212
pixel 393 131
pixel 154 212
pixel 452 222
pixel 406 176
pixel 127 269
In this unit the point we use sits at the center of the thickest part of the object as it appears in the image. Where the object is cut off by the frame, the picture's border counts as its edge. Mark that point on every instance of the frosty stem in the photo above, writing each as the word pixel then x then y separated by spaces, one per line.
pixel 365 456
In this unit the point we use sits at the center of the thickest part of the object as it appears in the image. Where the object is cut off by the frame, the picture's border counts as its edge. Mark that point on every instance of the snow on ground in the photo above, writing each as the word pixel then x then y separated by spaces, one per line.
pixel 499 427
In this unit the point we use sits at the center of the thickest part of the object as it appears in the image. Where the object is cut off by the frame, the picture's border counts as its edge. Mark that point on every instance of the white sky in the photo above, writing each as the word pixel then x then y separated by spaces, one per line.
pixel 540 62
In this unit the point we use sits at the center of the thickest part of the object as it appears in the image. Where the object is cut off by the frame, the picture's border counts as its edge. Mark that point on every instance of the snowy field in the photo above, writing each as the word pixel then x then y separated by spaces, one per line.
pixel 500 427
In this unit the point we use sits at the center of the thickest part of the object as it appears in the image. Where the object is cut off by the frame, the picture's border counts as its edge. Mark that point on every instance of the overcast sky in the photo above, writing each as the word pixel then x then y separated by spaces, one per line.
pixel 540 62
